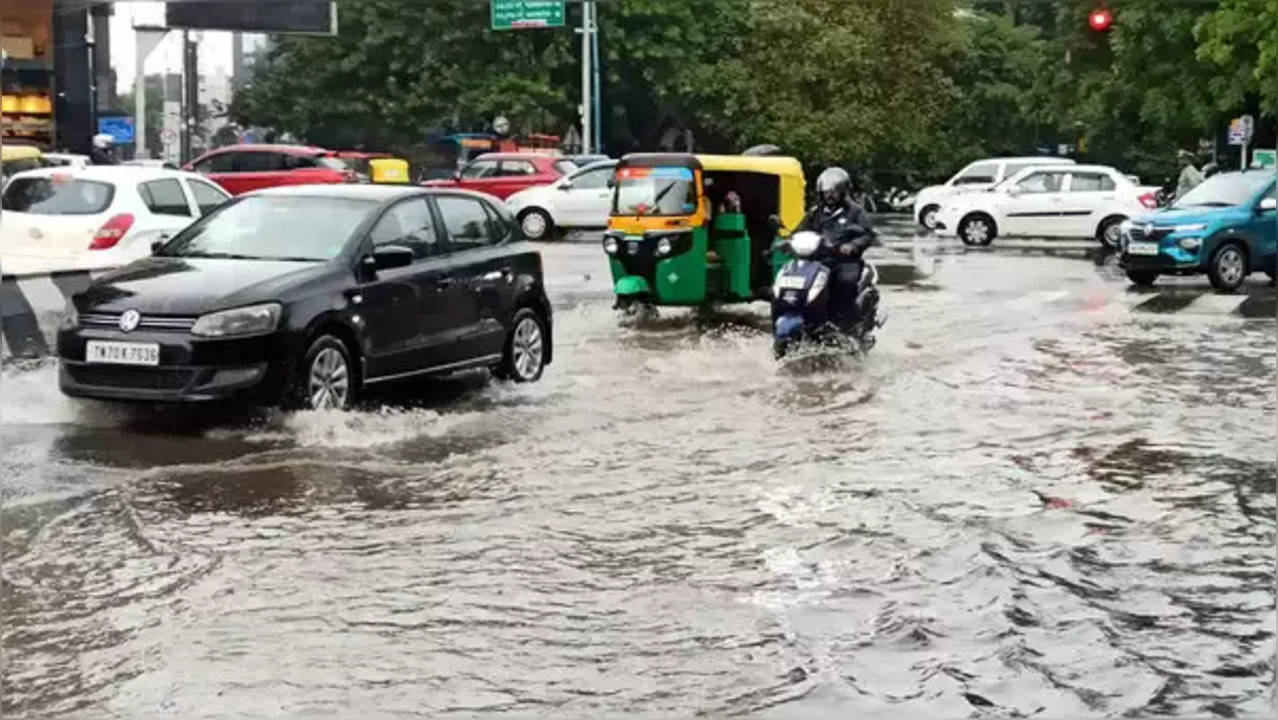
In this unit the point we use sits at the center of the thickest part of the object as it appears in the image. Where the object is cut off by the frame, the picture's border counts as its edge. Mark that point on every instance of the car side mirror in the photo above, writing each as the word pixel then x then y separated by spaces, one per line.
pixel 612 183
pixel 389 256
pixel 564 186
pixel 158 245
pixel 1267 204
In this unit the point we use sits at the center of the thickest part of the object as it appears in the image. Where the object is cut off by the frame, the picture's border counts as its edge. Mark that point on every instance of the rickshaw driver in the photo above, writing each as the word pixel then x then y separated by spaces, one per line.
pixel 848 227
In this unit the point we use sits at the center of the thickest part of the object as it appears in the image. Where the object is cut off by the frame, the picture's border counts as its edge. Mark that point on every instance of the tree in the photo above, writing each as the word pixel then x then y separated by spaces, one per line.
pixel 1241 41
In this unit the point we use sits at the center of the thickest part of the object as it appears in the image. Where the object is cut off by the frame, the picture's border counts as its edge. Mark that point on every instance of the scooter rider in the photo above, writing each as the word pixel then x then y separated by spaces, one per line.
pixel 848 230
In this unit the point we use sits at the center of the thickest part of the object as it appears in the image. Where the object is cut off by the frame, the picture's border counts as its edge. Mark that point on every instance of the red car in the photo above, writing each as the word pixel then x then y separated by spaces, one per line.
pixel 504 174
pixel 241 168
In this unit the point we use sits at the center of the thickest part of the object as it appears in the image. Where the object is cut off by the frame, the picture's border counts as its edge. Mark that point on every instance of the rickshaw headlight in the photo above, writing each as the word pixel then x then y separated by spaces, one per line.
pixel 610 245
pixel 663 246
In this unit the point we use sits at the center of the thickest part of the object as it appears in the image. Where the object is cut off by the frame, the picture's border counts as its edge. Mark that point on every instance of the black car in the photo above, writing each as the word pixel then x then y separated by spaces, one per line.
pixel 307 294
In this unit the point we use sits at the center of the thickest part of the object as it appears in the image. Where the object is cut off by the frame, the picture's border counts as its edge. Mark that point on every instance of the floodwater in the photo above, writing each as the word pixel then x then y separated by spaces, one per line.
pixel 1042 494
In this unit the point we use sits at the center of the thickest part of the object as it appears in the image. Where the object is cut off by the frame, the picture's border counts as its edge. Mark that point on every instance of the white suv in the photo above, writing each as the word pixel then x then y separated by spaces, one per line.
pixel 980 175
pixel 1074 201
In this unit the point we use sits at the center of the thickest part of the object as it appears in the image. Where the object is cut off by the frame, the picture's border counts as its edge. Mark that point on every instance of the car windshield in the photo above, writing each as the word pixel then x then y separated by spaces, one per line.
pixel 274 228
pixel 1225 190
pixel 655 191
pixel 57 196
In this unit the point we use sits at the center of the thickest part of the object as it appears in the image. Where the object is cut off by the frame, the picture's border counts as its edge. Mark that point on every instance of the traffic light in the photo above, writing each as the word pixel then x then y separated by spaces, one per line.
pixel 1100 19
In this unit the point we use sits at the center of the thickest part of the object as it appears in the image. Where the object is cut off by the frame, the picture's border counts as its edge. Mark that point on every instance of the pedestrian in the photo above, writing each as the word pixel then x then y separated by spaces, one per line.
pixel 103 150
pixel 1189 174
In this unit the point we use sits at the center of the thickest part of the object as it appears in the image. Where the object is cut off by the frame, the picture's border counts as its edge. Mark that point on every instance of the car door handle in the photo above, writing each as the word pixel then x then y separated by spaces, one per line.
pixel 503 274
pixel 443 283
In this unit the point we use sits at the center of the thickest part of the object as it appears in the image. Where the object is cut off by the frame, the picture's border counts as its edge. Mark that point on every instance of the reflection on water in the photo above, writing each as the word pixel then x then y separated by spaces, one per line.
pixel 1012 506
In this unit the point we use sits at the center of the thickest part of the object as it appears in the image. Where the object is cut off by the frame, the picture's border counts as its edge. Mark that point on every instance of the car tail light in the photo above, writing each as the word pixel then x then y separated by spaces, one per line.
pixel 110 233
pixel 1149 201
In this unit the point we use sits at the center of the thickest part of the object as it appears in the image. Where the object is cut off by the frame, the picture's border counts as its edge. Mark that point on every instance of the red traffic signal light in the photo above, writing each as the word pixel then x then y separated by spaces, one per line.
pixel 1100 20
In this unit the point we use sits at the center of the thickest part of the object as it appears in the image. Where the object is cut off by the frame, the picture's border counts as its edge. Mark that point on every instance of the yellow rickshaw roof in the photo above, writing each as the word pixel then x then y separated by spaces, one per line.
pixel 765 164
pixel 19 152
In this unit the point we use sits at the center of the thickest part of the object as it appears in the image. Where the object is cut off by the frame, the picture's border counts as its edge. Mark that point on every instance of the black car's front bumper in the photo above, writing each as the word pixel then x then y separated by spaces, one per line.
pixel 190 369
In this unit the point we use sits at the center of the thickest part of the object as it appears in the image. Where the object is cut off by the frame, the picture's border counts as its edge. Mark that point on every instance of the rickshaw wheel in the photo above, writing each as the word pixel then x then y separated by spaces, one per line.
pixel 636 311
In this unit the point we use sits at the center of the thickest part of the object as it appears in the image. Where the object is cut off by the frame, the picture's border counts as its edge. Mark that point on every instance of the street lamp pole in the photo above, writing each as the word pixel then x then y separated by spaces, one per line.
pixel 587 109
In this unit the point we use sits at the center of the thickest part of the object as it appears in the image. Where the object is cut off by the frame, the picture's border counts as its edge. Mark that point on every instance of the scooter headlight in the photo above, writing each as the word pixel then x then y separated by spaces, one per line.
pixel 610 245
pixel 664 247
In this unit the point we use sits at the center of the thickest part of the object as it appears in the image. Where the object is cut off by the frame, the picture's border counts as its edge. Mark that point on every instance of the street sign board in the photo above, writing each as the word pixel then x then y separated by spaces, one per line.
pixel 307 17
pixel 119 127
pixel 1264 158
pixel 520 14
pixel 1241 129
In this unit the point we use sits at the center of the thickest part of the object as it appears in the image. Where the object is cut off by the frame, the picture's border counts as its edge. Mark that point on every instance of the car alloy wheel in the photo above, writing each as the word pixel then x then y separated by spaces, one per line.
pixel 1112 235
pixel 535 224
pixel 1229 268
pixel 526 349
pixel 328 382
pixel 976 231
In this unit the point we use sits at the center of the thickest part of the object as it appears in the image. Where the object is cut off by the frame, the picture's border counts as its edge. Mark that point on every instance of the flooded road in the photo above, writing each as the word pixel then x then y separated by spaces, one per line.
pixel 1042 493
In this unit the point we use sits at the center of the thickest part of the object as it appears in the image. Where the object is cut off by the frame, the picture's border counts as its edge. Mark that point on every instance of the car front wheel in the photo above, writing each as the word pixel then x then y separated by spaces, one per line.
pixel 325 379
pixel 536 224
pixel 524 357
pixel 1228 268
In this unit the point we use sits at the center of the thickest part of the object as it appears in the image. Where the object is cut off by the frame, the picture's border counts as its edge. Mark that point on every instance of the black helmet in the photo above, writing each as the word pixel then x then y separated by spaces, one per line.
pixel 832 185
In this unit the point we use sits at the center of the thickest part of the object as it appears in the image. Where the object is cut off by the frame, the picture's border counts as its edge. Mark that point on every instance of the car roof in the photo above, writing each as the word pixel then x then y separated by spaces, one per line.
pixel 518 156
pixel 595 166
pixel 109 173
pixel 262 147
pixel 1045 159
pixel 353 191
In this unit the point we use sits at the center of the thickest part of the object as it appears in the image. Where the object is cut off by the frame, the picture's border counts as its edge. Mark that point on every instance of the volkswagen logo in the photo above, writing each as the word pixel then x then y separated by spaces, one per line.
pixel 129 320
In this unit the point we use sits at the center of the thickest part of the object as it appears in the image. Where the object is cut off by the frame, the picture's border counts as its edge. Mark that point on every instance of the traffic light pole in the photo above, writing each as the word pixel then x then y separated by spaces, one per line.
pixel 587 97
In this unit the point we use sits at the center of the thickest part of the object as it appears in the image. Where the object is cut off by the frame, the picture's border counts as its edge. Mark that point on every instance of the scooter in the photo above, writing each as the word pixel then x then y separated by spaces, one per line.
pixel 801 305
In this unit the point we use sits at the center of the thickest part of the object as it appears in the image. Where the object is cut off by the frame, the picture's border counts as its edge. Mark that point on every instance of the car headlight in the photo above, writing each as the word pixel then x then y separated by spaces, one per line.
pixel 610 245
pixel 818 286
pixel 664 246
pixel 70 316
pixel 1189 228
pixel 1190 243
pixel 250 320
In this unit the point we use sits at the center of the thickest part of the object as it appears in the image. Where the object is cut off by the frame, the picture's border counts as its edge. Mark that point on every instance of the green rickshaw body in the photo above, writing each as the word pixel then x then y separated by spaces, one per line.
pixel 686 232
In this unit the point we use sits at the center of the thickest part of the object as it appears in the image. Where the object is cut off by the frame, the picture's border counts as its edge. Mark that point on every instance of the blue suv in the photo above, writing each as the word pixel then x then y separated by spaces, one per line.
pixel 1225 228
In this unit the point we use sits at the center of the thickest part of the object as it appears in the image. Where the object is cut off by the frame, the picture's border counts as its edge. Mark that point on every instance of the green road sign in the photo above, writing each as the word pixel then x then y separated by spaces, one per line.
pixel 1264 158
pixel 520 14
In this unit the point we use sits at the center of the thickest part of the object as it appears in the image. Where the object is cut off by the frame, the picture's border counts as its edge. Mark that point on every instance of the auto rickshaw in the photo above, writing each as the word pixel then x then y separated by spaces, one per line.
pixel 690 230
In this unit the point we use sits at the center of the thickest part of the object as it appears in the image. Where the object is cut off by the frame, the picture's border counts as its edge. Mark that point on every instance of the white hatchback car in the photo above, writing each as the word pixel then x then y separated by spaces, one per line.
pixel 583 199
pixel 1077 201
pixel 99 212
pixel 979 176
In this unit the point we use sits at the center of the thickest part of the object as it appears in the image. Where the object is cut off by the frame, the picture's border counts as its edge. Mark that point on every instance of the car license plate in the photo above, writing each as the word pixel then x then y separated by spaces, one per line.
pixel 122 353
pixel 1142 248
pixel 792 282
